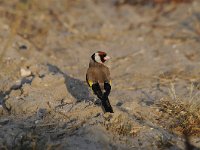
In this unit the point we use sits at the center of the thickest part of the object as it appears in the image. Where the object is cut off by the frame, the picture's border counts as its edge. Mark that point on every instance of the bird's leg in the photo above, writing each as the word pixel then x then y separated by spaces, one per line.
pixel 97 90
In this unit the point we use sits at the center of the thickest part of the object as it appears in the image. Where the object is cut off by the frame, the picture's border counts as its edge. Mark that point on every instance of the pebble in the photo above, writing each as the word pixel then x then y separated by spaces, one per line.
pixel 17 85
pixel 23 47
pixel 41 113
pixel 25 72
pixel 38 121
pixel 119 104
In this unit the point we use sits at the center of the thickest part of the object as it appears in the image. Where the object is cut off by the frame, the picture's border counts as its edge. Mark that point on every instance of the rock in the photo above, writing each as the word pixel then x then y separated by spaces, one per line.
pixel 27 80
pixel 41 113
pixel 4 121
pixel 25 72
pixel 17 85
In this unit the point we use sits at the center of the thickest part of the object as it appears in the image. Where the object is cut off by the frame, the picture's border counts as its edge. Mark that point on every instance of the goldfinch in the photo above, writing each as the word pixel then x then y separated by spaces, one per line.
pixel 98 78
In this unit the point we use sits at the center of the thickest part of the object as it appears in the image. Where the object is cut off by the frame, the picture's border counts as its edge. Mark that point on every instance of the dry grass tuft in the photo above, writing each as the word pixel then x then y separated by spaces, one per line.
pixel 181 115
pixel 122 125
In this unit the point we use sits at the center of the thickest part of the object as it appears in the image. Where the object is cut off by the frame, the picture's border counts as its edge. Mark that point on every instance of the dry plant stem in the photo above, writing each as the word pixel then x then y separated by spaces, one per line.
pixel 184 112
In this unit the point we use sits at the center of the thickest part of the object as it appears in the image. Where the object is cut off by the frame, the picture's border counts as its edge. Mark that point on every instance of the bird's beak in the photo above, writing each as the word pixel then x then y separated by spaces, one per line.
pixel 106 58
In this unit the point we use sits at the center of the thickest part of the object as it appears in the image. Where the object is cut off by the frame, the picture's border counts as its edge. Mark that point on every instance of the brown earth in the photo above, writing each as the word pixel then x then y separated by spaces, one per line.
pixel 44 54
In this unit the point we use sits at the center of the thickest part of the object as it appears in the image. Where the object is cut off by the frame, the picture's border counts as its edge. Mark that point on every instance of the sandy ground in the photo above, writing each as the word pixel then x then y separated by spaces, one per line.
pixel 44 54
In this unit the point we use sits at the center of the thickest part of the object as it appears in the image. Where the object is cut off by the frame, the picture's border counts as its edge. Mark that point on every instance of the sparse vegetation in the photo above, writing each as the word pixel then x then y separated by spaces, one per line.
pixel 148 40
pixel 180 114
pixel 122 125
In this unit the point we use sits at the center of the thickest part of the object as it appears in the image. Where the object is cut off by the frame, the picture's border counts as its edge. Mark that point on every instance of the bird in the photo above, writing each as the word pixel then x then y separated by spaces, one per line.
pixel 99 80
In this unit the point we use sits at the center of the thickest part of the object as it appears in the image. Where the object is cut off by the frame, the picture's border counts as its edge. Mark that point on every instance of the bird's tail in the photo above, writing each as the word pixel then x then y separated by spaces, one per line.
pixel 106 104
pixel 103 97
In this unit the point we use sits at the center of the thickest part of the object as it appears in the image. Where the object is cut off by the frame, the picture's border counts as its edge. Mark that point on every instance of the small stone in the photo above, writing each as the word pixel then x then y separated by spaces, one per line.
pixel 17 85
pixel 157 110
pixel 127 108
pixel 27 80
pixel 41 113
pixel 119 104
pixel 25 72
pixel 22 47
pixel 38 121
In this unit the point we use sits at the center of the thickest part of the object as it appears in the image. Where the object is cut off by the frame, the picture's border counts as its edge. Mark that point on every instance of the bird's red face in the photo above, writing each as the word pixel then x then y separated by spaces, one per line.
pixel 100 57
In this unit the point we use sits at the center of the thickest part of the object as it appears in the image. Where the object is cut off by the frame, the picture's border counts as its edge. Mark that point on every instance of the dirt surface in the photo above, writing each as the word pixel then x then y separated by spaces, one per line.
pixel 44 54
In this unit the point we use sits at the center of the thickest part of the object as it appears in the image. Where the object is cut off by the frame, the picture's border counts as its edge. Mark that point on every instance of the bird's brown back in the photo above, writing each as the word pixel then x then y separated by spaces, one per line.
pixel 98 73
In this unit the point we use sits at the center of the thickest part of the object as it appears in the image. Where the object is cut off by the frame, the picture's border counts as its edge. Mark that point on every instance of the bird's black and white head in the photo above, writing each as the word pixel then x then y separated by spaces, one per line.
pixel 100 57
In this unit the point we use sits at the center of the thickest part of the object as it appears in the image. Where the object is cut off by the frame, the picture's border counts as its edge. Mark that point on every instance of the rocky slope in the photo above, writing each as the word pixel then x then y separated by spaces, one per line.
pixel 44 54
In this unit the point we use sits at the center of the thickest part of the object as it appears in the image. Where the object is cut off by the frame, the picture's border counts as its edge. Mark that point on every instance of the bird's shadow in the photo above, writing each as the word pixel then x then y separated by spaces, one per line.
pixel 77 88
